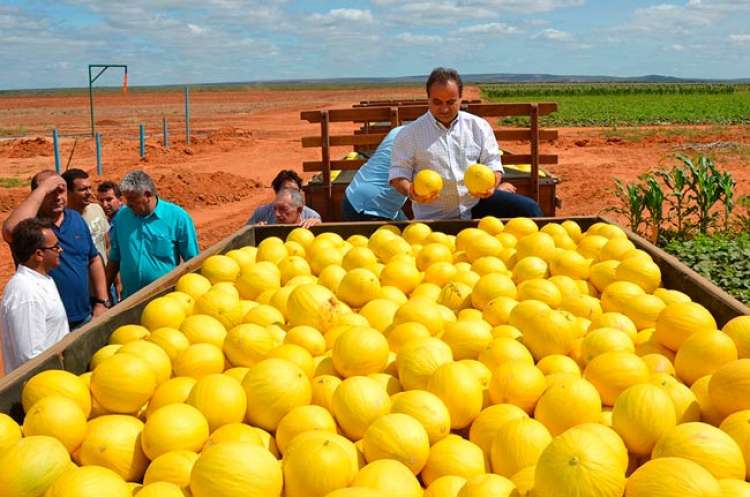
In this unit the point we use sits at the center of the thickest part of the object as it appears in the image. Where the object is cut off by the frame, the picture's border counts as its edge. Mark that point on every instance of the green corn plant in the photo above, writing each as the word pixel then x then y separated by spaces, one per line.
pixel 705 189
pixel 676 181
pixel 727 184
pixel 631 199
pixel 743 217
pixel 653 201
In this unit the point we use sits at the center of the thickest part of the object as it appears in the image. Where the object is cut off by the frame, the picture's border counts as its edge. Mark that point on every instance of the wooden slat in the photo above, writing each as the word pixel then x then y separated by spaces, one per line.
pixel 524 134
pixel 534 130
pixel 515 159
pixel 344 140
pixel 356 115
pixel 497 110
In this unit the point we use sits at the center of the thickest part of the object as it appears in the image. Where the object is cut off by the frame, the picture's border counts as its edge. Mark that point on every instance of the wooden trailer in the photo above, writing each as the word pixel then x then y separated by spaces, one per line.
pixel 75 351
pixel 363 128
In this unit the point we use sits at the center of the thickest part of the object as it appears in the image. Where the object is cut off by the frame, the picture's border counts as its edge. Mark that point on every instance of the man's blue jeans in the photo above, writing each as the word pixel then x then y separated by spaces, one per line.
pixel 506 204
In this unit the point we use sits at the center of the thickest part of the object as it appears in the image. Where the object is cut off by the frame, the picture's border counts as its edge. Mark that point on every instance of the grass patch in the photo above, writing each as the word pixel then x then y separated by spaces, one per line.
pixel 6 182
pixel 17 131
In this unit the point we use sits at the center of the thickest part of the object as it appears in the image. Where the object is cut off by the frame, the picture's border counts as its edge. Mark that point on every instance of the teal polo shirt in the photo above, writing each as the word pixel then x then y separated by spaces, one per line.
pixel 149 247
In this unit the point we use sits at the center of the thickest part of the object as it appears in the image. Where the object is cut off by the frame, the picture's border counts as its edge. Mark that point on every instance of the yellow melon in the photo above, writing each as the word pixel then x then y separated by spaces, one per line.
pixel 479 179
pixel 641 415
pixel 220 268
pixel 123 383
pixel 602 274
pixel 582 305
pixel 709 412
pixel 153 355
pixel 579 462
pixel 276 385
pixel 568 403
pixel 427 408
pixel 487 485
pixel 258 278
pixel 419 358
pixel 672 476
pixel 224 469
pixel 401 334
pixel 58 417
pixel 198 360
pixel 173 467
pixel 734 488
pixel 162 312
pixel 703 444
pixel 358 287
pixel 173 391
pixel 658 363
pixel 10 432
pixel 467 338
pixel 644 273
pixel 416 232
pixel 312 305
pixel 615 249
pixel 174 427
pixel 32 465
pixel 502 350
pixel 703 353
pixel 729 387
pixel 403 275
pixel 427 183
pixel 316 466
pixel 56 382
pixel 103 353
pixel 738 330
pixel 737 426
pixel 529 268
pixel 557 363
pixel 308 338
pixel 678 321
pixel 489 421
pixel 360 351
pixel 545 333
pixel 356 403
pixel 685 403
pixel 644 310
pixel 89 480
pixel 239 432
pixel 603 340
pixel 302 419
pixel 202 328
pixel 390 477
pixel 172 341
pixel 114 442
pixel 517 383
pixel 193 284
pixel 453 456
pixel 247 344
pixel 323 387
pixel 619 294
pixel 220 399
pixel 460 390
pixel 399 437
pixel 497 311
pixel 517 444
pixel 612 372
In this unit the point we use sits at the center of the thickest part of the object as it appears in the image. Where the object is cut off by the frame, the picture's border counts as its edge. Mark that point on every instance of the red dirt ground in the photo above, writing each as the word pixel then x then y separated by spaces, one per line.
pixel 241 138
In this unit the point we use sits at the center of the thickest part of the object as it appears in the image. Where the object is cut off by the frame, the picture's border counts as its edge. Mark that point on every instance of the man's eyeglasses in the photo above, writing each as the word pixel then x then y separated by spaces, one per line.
pixel 56 247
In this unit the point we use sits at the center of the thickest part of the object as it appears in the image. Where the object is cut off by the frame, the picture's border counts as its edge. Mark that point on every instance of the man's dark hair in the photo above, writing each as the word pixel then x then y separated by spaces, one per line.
pixel 73 174
pixel 441 75
pixel 106 186
pixel 284 176
pixel 28 236
pixel 41 176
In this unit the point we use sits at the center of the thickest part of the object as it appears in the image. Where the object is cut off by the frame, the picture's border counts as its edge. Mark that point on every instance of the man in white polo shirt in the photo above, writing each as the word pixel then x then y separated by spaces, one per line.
pixel 32 313
pixel 448 140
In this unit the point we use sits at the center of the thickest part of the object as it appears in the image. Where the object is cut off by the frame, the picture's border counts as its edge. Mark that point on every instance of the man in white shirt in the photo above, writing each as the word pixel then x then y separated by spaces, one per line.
pixel 81 199
pixel 32 314
pixel 448 140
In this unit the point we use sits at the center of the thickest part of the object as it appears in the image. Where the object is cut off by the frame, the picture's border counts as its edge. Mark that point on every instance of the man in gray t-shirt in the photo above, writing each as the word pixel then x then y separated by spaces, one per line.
pixel 291 181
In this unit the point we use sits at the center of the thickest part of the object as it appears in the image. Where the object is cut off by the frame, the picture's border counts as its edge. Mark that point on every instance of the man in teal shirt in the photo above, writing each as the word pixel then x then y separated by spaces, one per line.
pixel 150 236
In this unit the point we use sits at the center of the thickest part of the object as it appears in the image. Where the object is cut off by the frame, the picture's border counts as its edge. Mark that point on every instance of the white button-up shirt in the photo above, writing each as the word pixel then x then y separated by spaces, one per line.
pixel 427 144
pixel 33 317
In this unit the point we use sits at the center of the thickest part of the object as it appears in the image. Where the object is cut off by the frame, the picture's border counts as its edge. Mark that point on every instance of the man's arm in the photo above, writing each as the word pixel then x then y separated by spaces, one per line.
pixel 403 159
pixel 99 280
pixel 31 204
pixel 112 270
pixel 187 238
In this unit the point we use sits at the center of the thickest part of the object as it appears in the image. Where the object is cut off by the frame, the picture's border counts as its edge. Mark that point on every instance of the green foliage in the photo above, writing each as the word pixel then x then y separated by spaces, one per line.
pixel 629 105
pixel 723 258
pixel 6 182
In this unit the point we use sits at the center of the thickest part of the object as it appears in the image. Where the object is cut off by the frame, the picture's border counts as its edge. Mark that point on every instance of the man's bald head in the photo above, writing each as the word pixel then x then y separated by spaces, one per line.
pixel 41 176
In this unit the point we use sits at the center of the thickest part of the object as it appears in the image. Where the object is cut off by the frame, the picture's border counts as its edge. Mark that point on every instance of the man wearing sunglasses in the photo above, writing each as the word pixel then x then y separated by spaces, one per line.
pixel 32 314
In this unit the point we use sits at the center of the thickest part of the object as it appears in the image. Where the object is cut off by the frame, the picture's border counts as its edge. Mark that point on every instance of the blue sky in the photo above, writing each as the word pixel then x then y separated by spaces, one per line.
pixel 49 44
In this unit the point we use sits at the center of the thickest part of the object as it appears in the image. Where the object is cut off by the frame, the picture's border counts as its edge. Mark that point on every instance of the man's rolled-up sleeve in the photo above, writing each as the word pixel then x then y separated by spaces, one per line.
pixel 490 155
pixel 402 158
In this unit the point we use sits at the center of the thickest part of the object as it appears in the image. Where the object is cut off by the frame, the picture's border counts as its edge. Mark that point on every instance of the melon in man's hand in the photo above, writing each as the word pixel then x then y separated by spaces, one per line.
pixel 427 183
pixel 479 179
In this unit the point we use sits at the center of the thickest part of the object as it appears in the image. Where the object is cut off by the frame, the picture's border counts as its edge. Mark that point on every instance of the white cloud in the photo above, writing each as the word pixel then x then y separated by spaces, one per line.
pixel 523 6
pixel 417 39
pixel 554 35
pixel 740 39
pixel 677 47
pixel 343 15
pixel 670 19
pixel 496 28
pixel 195 29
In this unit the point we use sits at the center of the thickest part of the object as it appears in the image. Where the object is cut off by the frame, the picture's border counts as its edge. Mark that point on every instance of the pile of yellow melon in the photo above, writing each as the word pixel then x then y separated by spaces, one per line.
pixel 505 361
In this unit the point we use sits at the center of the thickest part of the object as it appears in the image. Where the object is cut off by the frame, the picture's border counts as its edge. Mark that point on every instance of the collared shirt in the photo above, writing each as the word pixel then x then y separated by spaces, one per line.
pixel 72 275
pixel 148 247
pixel 427 144
pixel 369 191
pixel 266 214
pixel 97 222
pixel 32 316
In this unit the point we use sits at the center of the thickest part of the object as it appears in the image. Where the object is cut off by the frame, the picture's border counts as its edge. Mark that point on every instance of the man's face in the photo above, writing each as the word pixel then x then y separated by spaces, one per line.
pixel 110 202
pixel 444 101
pixel 51 250
pixel 286 212
pixel 140 203
pixel 55 202
pixel 80 196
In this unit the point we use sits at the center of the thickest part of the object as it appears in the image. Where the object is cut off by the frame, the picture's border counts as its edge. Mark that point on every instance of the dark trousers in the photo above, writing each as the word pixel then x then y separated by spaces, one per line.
pixel 506 204
pixel 349 213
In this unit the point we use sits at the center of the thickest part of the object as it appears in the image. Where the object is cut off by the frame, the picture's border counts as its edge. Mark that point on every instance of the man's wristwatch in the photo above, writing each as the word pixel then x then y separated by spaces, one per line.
pixel 105 303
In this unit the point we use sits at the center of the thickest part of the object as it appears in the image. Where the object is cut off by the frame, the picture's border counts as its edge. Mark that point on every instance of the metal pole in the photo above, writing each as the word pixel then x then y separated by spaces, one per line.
pixel 165 132
pixel 142 133
pixel 187 115
pixel 99 168
pixel 91 103
pixel 56 147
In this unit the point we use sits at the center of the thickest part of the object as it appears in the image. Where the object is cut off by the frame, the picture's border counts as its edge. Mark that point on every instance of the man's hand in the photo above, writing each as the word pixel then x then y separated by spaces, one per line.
pixel 507 187
pixel 306 223
pixel 52 183
pixel 491 191
pixel 421 199
pixel 98 309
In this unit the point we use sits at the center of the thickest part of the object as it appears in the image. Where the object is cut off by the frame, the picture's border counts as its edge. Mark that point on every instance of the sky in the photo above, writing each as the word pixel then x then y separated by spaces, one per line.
pixel 48 44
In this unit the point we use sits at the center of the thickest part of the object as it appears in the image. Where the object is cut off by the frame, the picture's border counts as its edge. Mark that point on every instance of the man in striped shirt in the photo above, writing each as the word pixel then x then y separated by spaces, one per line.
pixel 447 140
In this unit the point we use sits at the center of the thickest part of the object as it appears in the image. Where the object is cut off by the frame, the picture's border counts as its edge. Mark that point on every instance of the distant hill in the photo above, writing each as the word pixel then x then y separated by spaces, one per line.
pixel 401 81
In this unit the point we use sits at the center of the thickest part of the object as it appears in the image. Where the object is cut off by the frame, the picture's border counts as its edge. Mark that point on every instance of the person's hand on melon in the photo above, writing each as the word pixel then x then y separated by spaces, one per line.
pixel 426 186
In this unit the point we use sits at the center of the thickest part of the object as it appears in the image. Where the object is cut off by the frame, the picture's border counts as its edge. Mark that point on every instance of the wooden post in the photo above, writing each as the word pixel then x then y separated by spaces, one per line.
pixel 326 157
pixel 534 152
pixel 394 117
